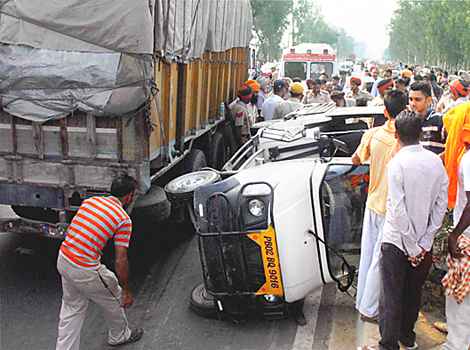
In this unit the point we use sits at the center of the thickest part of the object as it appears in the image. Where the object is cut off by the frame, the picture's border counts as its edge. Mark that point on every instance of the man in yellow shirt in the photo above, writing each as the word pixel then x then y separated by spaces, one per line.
pixel 378 145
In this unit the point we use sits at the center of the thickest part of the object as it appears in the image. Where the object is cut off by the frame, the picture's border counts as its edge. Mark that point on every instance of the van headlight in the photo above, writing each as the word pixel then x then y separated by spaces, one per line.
pixel 256 207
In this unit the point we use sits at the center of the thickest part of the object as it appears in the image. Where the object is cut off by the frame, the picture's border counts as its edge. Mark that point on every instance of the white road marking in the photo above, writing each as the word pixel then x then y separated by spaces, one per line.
pixel 304 336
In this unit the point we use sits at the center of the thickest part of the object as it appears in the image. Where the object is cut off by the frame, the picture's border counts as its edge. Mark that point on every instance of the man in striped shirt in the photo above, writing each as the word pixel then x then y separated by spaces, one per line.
pixel 84 278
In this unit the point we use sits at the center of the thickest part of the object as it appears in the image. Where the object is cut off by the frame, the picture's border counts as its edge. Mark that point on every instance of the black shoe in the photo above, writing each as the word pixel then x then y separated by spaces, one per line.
pixel 136 335
pixel 299 318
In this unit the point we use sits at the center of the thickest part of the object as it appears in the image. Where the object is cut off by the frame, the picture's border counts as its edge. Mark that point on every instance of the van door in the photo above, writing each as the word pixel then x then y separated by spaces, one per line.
pixel 340 199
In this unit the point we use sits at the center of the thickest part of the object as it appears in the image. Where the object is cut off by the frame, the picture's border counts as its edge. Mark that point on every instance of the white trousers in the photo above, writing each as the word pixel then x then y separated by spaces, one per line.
pixel 458 324
pixel 368 286
pixel 79 287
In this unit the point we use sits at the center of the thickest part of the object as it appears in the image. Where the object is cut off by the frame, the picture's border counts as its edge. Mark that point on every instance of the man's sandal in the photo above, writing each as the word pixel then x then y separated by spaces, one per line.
pixel 136 335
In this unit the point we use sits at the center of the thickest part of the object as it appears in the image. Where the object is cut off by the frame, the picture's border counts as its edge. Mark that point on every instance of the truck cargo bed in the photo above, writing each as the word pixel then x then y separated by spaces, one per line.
pixel 79 153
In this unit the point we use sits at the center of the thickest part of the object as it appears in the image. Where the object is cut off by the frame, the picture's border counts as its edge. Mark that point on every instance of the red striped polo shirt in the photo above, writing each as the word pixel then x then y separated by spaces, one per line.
pixel 98 219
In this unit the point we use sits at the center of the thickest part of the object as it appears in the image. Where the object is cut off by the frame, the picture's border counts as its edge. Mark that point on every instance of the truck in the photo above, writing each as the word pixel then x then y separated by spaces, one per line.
pixel 93 89
pixel 308 61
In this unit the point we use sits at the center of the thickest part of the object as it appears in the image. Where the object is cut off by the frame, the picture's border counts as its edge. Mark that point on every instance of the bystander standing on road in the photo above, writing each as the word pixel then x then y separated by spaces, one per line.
pixel 84 278
pixel 264 84
pixel 416 206
pixel 382 87
pixel 337 85
pixel 420 101
pixel 457 280
pixel 338 98
pixel 315 94
pixel 294 102
pixel 280 92
pixel 253 105
pixel 242 114
pixel 387 74
pixel 378 146
pixel 360 96
pixel 457 94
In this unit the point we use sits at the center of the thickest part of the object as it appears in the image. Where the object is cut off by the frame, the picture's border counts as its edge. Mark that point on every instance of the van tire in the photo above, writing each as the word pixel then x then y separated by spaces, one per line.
pixel 202 303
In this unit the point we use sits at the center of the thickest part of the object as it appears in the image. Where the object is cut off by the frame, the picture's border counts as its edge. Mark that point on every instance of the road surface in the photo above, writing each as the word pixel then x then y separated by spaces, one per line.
pixel 164 268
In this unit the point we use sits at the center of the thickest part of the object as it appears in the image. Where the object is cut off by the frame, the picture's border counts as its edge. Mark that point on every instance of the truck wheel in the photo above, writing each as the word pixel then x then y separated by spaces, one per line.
pixel 196 160
pixel 202 303
pixel 230 144
pixel 217 151
pixel 154 205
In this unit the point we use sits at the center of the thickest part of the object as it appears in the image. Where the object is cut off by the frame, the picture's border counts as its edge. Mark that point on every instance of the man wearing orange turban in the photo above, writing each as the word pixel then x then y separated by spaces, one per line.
pixel 361 97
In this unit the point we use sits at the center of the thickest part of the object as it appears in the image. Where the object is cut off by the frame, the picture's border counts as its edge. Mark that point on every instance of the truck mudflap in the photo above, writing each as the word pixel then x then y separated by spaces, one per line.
pixel 38 228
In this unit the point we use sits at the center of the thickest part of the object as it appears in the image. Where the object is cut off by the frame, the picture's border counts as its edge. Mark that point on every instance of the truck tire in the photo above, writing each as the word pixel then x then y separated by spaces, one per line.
pixel 196 160
pixel 202 303
pixel 154 205
pixel 217 151
pixel 230 143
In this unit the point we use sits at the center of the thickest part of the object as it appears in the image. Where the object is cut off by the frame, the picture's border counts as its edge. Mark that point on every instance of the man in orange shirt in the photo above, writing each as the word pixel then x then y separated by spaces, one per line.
pixel 84 278
pixel 378 145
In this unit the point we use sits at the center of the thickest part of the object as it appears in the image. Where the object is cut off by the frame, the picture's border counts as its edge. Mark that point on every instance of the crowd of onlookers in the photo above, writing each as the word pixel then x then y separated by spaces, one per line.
pixel 269 98
pixel 419 167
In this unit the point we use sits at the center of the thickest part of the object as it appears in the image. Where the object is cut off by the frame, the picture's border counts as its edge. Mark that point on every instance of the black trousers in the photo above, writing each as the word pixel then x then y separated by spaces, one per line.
pixel 400 296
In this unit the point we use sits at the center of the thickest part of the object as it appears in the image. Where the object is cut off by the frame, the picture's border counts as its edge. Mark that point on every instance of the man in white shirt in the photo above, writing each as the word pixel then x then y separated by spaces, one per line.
pixel 416 206
pixel 280 91
pixel 293 103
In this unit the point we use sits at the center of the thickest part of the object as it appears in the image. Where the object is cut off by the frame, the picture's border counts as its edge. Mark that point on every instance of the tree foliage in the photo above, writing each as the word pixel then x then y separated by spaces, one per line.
pixel 272 18
pixel 270 23
pixel 431 32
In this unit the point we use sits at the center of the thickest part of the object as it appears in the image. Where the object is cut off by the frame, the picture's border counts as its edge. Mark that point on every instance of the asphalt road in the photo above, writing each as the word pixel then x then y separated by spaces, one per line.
pixel 164 267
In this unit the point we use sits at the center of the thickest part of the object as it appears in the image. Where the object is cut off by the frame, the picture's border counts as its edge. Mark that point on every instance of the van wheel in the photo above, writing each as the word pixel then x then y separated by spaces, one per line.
pixel 196 160
pixel 202 303
pixel 217 151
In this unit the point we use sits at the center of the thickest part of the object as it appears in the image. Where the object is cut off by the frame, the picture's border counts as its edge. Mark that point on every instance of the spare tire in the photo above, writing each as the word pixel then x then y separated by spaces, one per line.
pixel 183 187
pixel 202 303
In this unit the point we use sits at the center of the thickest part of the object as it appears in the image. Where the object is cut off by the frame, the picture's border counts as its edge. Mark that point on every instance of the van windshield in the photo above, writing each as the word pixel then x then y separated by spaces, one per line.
pixel 343 195
pixel 295 70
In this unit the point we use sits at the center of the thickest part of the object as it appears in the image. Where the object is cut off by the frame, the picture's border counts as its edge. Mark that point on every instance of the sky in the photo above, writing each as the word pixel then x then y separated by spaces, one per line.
pixel 364 20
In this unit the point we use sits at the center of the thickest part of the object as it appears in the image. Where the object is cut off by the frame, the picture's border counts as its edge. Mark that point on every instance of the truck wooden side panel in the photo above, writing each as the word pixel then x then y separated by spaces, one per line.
pixel 208 82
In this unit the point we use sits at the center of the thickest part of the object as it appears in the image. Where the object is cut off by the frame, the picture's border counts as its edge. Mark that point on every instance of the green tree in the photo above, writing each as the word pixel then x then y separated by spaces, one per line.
pixel 431 32
pixel 312 27
pixel 271 19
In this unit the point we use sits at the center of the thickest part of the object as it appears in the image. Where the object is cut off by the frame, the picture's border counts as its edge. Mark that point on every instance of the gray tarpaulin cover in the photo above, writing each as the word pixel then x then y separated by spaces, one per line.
pixel 96 55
